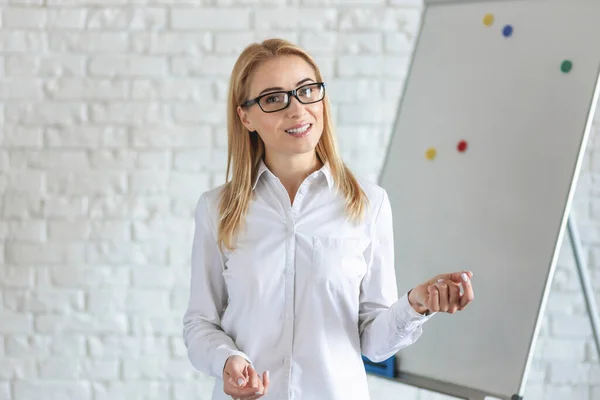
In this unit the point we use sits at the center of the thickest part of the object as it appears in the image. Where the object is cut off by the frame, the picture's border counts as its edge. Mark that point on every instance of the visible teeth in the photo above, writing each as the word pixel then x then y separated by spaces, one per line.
pixel 299 130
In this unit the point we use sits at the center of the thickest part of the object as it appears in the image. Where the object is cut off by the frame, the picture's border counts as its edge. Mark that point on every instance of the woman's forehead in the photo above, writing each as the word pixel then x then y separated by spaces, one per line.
pixel 282 71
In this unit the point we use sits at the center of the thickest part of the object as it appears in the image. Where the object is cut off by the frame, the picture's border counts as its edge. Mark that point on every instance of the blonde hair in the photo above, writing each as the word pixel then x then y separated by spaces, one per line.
pixel 245 149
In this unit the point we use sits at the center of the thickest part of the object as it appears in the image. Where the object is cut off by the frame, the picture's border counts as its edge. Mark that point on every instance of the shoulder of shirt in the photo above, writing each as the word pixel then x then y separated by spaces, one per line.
pixel 209 201
pixel 375 193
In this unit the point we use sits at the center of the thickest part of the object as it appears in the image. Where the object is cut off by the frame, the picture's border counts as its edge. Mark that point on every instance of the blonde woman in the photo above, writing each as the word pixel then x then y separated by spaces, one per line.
pixel 292 260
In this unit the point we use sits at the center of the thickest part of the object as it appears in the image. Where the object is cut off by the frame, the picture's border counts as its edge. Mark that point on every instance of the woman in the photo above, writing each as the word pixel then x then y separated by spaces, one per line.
pixel 292 260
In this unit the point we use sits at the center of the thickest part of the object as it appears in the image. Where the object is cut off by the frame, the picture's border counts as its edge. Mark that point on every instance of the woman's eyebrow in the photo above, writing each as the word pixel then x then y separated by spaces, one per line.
pixel 280 88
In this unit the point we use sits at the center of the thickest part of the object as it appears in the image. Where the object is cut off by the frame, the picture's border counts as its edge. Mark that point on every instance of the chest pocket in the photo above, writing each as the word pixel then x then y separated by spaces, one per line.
pixel 338 262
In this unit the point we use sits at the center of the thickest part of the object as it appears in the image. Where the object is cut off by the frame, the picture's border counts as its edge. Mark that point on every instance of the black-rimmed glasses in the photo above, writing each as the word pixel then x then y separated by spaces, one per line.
pixel 277 101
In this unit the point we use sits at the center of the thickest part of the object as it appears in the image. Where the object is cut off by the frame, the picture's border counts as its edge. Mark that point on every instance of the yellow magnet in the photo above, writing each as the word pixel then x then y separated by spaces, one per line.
pixel 430 153
pixel 488 20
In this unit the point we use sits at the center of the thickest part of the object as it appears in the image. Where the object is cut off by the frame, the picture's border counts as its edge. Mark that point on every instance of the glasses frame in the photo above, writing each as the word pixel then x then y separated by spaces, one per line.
pixel 289 93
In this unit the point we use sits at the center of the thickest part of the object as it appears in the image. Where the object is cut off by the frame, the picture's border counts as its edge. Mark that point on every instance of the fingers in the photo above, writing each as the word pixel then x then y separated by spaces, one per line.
pixel 253 379
pixel 456 277
pixel 263 386
pixel 433 302
pixel 468 294
pixel 453 298
pixel 443 294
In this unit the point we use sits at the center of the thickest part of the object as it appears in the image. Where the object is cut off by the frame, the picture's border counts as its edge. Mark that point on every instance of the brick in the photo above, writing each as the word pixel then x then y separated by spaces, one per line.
pixel 21 253
pixel 316 19
pixel 110 253
pixel 181 184
pixel 147 302
pixel 158 368
pixel 148 182
pixel 149 253
pixel 25 182
pixel 86 137
pixel 146 390
pixel 571 326
pixel 204 65
pixel 62 206
pixel 107 206
pixel 45 113
pixel 182 89
pixel 399 42
pixel 127 18
pixel 143 207
pixel 210 18
pixel 22 41
pixel 12 277
pixel 153 160
pixel 232 42
pixel 22 137
pixel 88 41
pixel 561 392
pixel 27 18
pixel 89 276
pixel 17 369
pixel 169 43
pixel 359 19
pixel 44 346
pixel 177 137
pixel 57 159
pixel 131 114
pixel 141 325
pixel 153 277
pixel 82 323
pixel 27 390
pixel 45 300
pixel 18 88
pixel 360 43
pixel 110 230
pixel 561 349
pixel 178 349
pixel 110 346
pixel 15 323
pixel 46 65
pixel 191 160
pixel 59 368
pixel 127 65
pixel 316 42
pixel 21 206
pixel 66 18
pixel 86 183
pixel 92 89
pixel 113 159
pixel 213 113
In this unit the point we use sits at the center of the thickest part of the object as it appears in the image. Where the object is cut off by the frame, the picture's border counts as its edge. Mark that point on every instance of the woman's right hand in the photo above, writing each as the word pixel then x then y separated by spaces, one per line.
pixel 241 381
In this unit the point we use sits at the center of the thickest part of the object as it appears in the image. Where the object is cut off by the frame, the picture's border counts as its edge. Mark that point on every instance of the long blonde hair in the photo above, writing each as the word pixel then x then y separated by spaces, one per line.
pixel 245 149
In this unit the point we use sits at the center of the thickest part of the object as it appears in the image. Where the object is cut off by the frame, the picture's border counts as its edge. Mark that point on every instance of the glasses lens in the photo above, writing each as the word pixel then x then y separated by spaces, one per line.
pixel 274 102
pixel 311 93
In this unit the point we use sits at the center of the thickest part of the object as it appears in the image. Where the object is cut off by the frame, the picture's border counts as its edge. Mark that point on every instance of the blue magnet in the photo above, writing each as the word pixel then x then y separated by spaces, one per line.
pixel 507 31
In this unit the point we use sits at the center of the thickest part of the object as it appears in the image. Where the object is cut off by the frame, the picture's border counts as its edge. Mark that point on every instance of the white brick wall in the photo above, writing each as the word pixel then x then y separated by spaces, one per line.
pixel 112 124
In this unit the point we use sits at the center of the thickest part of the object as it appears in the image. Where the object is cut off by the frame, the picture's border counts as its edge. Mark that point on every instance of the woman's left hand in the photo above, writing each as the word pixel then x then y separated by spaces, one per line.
pixel 442 293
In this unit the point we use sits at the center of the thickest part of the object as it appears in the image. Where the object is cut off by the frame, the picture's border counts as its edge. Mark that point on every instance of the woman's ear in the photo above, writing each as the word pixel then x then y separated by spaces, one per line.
pixel 244 117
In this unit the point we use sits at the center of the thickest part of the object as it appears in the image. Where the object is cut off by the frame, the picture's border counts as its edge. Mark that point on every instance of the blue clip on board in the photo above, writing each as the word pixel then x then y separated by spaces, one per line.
pixel 385 368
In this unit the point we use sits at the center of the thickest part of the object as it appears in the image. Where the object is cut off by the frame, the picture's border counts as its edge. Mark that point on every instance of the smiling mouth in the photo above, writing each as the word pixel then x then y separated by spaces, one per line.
pixel 299 131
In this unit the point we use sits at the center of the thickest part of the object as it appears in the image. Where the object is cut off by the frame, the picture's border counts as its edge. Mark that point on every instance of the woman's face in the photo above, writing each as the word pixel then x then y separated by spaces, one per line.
pixel 294 130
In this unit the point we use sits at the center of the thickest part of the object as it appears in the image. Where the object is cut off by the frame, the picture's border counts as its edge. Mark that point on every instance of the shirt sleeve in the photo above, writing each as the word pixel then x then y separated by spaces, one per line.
pixel 208 346
pixel 386 323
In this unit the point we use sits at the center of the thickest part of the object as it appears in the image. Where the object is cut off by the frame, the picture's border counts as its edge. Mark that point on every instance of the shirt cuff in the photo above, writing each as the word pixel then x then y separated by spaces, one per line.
pixel 405 313
pixel 221 357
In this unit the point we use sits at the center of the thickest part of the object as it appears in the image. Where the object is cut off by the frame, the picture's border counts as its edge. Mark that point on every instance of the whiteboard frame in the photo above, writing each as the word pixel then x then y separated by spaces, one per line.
pixel 460 391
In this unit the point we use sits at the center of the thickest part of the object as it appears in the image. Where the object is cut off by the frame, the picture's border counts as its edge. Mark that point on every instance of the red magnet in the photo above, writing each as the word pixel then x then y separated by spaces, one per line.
pixel 462 146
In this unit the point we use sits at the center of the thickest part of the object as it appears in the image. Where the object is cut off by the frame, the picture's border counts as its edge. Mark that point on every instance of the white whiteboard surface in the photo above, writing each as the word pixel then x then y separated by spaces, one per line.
pixel 499 208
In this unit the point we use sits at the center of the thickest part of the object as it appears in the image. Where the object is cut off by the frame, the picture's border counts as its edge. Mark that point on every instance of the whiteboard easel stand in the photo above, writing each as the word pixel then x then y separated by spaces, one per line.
pixel 586 286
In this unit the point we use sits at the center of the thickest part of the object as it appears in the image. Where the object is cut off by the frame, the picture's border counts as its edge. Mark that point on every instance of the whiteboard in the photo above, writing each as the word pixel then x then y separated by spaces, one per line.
pixel 499 207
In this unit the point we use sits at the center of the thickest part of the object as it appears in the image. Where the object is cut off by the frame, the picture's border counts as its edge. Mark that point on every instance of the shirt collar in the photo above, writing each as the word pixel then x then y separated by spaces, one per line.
pixel 325 170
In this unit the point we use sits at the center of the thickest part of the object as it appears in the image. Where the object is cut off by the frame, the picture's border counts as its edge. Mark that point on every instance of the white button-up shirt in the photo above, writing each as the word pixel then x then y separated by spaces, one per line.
pixel 305 292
